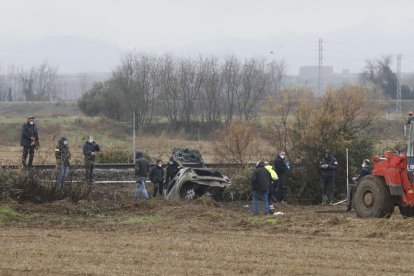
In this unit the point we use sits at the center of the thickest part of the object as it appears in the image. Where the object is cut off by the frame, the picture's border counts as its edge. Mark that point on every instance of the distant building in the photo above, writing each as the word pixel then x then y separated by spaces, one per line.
pixel 312 72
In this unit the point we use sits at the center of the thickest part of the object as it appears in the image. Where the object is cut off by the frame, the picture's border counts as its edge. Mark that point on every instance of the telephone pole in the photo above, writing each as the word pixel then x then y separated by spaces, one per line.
pixel 398 108
pixel 320 50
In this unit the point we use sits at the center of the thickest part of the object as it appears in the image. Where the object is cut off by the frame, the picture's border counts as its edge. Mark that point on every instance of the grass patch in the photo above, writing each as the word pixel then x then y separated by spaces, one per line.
pixel 262 220
pixel 141 219
pixel 8 214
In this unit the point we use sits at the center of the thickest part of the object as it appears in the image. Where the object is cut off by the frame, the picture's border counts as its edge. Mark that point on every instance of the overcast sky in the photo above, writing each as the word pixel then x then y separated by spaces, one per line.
pixel 170 24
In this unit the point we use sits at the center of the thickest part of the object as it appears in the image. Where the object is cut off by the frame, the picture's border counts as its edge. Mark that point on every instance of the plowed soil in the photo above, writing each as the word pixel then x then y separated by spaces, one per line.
pixel 113 235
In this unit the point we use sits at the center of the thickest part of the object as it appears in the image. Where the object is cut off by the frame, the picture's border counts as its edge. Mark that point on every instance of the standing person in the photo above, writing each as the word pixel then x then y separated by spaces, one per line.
pixel 29 141
pixel 62 154
pixel 172 169
pixel 281 167
pixel 272 190
pixel 156 175
pixel 366 170
pixel 261 180
pixel 141 173
pixel 328 166
pixel 89 153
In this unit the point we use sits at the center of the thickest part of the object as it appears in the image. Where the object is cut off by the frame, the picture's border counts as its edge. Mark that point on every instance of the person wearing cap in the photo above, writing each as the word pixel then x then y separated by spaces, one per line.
pixel 62 154
pixel 365 170
pixel 328 166
pixel 89 155
pixel 29 141
pixel 142 168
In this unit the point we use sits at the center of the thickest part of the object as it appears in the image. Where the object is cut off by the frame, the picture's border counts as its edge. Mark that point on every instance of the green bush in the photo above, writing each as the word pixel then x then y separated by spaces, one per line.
pixel 240 188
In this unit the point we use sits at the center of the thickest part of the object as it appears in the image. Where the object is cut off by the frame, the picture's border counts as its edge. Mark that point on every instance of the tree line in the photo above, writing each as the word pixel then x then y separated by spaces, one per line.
pixel 38 83
pixel 185 90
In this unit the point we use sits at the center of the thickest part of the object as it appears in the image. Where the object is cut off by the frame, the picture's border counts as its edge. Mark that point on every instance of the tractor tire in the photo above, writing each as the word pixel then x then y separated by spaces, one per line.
pixel 188 192
pixel 406 211
pixel 372 198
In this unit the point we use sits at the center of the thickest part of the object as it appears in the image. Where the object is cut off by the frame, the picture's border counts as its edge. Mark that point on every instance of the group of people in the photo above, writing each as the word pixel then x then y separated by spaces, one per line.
pixel 268 183
pixel 30 142
pixel 155 174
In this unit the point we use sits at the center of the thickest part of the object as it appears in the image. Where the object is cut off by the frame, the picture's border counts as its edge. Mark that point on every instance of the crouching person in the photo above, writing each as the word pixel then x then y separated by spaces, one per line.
pixel 156 176
pixel 365 170
pixel 261 180
pixel 62 154
pixel 141 174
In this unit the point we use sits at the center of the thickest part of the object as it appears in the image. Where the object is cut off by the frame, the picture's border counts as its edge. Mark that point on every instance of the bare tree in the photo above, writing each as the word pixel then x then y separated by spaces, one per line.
pixel 136 79
pixel 253 88
pixel 169 89
pixel 277 72
pixel 230 78
pixel 191 80
pixel 210 96
pixel 39 83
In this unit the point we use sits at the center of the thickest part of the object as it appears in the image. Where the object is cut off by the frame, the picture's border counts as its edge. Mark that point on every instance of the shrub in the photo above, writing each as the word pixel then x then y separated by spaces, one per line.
pixel 32 186
pixel 114 156
pixel 240 188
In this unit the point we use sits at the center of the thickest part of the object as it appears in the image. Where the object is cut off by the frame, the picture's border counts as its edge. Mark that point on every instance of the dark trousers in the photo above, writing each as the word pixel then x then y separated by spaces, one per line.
pixel 28 150
pixel 272 191
pixel 89 167
pixel 158 187
pixel 328 187
pixel 281 188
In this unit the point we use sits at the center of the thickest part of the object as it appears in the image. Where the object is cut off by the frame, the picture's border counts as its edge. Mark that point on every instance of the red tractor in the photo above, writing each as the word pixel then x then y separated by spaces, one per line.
pixel 390 184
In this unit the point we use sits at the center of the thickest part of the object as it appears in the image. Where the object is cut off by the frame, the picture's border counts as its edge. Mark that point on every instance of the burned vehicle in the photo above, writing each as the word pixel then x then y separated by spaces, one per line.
pixel 194 179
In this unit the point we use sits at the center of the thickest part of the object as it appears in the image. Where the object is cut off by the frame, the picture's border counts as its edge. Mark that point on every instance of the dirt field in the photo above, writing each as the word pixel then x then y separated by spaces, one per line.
pixel 111 235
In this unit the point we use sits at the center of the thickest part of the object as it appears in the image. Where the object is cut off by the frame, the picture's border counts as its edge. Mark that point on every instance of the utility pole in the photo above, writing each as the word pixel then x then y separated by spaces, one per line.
pixel 398 108
pixel 320 50
pixel 134 115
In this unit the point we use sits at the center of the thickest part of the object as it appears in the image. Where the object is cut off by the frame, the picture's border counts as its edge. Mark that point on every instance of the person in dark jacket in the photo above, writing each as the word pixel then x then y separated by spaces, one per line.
pixel 90 148
pixel 156 175
pixel 62 154
pixel 328 166
pixel 280 167
pixel 29 141
pixel 365 170
pixel 261 180
pixel 141 173
pixel 172 169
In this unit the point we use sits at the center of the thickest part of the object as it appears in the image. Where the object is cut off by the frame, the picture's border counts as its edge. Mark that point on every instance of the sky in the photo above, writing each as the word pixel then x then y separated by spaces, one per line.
pixel 246 27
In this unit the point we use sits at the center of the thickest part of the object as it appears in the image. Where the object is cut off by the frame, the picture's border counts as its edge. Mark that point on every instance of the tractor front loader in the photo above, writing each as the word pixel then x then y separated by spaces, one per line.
pixel 390 184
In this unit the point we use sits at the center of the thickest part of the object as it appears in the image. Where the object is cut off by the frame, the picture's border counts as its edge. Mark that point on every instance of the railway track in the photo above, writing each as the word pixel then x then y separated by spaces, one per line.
pixel 122 166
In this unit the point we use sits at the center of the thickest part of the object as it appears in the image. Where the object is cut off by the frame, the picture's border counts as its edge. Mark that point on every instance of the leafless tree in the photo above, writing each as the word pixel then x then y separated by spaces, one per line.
pixel 210 96
pixel 136 79
pixel 169 95
pixel 39 83
pixel 253 88
pixel 277 71
pixel 191 80
pixel 230 79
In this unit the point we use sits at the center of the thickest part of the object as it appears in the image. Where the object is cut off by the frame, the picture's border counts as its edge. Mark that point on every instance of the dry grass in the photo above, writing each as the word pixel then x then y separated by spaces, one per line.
pixel 199 238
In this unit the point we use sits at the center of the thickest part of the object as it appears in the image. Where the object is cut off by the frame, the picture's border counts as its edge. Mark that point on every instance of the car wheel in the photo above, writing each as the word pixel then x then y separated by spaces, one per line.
pixel 188 192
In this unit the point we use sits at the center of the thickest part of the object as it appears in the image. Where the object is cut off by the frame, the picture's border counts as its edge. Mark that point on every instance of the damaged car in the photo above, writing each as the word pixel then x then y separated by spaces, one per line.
pixel 194 179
